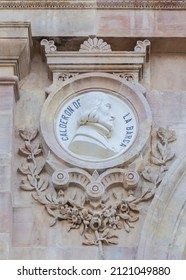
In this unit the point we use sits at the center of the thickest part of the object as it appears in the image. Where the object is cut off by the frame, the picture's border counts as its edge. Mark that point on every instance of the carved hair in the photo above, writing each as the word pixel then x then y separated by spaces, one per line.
pixel 90 107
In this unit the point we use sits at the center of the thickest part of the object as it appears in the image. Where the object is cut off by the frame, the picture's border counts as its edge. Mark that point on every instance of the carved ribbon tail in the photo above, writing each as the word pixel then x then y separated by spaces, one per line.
pixel 100 246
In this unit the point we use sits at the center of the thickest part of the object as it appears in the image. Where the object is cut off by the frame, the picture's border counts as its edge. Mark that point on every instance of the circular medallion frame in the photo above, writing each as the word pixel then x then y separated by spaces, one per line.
pixel 116 132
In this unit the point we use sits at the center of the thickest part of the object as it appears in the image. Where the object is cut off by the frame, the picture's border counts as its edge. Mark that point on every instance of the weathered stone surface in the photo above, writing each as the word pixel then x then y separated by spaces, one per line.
pixel 167 114
pixel 171 74
pixel 5 212
pixel 108 23
pixel 160 231
pixel 4 246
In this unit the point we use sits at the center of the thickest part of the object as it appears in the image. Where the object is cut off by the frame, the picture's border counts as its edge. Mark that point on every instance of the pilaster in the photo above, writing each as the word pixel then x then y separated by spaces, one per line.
pixel 8 96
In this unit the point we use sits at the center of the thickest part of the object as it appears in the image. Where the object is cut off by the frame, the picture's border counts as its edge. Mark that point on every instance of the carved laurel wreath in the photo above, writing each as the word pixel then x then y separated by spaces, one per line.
pixel 95 208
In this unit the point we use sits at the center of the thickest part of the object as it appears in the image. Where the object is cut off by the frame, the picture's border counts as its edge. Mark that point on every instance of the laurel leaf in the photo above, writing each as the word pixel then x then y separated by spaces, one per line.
pixel 22 134
pixel 134 218
pixel 126 227
pixel 161 149
pixel 33 133
pixel 105 233
pixel 148 195
pixel 24 170
pixel 156 161
pixel 50 212
pixel 42 184
pixel 113 241
pixel 169 155
pixel 133 207
pixel 27 187
pixel 31 180
pixel 39 168
pixel 88 243
pixel 88 236
pixel 39 198
pixel 124 216
pixel 24 151
pixel 53 222
pixel 28 146
pixel 36 152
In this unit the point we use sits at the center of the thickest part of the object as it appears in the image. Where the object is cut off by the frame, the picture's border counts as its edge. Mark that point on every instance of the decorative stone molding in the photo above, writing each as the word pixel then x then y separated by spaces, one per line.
pixel 58 80
pixel 99 4
pixel 47 47
pixel 62 77
pixel 96 55
pixel 95 45
pixel 126 76
pixel 143 46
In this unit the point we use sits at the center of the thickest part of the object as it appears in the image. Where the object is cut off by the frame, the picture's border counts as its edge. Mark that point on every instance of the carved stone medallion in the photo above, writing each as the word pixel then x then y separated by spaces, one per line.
pixel 96 121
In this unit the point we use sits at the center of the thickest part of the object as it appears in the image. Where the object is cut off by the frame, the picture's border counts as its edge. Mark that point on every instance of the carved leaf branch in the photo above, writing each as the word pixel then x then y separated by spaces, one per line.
pixel 161 154
pixel 32 168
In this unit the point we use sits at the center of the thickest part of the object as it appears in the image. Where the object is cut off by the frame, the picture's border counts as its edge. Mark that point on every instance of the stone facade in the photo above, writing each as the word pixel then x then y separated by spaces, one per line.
pixel 55 205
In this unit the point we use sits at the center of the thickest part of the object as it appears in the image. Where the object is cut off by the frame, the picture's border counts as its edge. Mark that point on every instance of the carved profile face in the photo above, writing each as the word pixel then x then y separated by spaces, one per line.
pixel 96 108
pixel 106 117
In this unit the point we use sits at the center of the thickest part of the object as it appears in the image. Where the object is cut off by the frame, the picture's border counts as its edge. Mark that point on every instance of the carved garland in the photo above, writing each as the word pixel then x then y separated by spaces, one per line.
pixel 95 208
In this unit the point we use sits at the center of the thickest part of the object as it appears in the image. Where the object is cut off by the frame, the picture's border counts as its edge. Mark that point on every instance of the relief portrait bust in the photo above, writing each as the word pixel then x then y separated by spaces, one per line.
pixel 95 126
pixel 95 122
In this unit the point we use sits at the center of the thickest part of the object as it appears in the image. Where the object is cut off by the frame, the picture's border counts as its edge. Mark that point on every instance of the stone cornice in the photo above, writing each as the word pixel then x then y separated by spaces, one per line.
pixel 96 4
pixel 15 48
pixel 95 55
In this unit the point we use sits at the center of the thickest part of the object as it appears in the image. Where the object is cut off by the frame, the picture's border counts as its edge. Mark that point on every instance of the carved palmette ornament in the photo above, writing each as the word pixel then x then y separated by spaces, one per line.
pixel 95 45
pixel 103 203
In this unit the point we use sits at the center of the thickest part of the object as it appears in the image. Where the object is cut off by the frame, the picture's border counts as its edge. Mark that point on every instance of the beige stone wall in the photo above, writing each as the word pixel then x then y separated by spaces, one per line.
pixel 168 71
pixel 24 224
pixel 113 23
